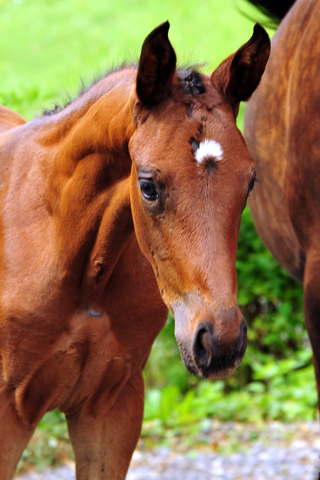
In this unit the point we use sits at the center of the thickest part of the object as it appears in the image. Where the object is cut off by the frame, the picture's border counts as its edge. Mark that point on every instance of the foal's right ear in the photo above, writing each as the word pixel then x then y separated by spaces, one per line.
pixel 157 65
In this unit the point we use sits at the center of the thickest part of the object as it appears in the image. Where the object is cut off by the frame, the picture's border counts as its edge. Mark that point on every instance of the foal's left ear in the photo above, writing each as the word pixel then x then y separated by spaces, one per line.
pixel 157 65
pixel 239 75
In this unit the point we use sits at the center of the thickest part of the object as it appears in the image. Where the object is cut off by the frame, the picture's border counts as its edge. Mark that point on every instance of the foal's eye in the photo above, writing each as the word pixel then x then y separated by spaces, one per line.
pixel 148 189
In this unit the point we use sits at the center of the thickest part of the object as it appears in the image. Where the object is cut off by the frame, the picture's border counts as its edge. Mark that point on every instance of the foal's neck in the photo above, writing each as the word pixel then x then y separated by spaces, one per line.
pixel 88 176
pixel 97 122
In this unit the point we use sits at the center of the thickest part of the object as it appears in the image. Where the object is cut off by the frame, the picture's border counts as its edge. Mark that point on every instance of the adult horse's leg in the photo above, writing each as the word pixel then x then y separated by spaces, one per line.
pixel 14 434
pixel 104 442
pixel 311 286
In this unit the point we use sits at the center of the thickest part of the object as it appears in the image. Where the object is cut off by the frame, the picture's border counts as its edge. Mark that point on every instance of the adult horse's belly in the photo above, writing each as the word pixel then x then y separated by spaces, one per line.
pixel 270 212
pixel 282 132
pixel 266 134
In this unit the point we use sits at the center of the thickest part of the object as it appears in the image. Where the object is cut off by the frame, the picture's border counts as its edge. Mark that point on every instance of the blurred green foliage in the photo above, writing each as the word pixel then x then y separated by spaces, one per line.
pixel 45 47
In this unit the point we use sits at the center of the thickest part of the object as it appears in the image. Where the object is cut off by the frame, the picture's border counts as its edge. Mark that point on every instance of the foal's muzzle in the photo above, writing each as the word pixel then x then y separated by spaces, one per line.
pixel 213 345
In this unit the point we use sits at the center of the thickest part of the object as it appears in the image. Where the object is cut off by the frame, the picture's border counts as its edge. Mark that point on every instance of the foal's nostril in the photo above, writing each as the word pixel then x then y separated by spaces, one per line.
pixel 204 345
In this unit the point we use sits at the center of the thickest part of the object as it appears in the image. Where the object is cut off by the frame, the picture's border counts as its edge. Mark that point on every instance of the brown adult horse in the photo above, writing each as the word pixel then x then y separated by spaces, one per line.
pixel 282 129
pixel 123 204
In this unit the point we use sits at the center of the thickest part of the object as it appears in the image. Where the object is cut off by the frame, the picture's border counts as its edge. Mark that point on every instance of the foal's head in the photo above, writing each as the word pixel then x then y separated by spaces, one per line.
pixel 191 176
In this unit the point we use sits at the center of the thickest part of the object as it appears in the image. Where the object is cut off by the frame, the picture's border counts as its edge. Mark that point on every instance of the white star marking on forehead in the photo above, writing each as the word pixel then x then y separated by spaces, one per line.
pixel 207 149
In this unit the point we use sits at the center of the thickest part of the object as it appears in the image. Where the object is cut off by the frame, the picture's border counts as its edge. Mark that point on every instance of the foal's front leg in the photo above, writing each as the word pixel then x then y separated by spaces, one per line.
pixel 104 442
pixel 14 433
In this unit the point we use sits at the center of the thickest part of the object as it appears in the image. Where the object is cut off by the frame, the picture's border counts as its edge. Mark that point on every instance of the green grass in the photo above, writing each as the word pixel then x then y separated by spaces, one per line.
pixel 47 45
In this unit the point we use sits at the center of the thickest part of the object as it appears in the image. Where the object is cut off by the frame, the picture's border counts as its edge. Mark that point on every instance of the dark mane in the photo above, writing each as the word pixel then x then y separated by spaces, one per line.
pixel 190 81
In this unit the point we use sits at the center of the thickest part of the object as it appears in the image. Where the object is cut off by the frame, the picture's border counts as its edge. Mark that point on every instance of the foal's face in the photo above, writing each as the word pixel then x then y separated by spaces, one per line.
pixel 191 175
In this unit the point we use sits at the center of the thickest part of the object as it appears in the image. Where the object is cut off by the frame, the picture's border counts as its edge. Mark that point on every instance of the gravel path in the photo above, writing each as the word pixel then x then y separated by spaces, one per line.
pixel 280 452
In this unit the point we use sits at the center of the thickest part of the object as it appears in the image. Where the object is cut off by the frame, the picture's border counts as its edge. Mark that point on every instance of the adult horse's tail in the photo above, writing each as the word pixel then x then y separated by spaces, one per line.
pixel 275 9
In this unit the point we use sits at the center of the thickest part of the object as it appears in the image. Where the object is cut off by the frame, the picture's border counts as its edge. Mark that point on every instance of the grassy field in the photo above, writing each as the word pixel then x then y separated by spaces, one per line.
pixel 46 48
pixel 48 45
